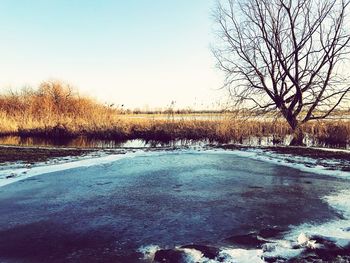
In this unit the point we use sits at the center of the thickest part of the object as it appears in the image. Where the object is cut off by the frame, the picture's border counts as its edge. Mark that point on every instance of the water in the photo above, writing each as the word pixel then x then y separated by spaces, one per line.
pixel 111 212
pixel 210 117
pixel 183 117
pixel 84 142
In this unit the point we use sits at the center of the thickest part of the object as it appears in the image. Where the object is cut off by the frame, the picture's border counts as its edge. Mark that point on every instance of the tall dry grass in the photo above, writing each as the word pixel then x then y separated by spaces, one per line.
pixel 53 106
pixel 55 109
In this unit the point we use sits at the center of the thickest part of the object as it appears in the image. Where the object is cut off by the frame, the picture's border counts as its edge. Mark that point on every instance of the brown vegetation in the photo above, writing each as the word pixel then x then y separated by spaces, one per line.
pixel 53 107
pixel 56 110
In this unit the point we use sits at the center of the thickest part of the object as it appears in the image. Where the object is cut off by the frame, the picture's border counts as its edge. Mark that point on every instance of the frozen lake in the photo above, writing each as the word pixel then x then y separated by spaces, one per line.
pixel 226 207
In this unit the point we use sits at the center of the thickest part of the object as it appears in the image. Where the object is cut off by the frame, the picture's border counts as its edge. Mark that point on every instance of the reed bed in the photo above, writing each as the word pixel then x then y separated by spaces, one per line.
pixel 56 110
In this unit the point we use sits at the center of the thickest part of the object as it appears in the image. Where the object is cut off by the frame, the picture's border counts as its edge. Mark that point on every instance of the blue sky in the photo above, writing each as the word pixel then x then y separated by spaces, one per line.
pixel 136 52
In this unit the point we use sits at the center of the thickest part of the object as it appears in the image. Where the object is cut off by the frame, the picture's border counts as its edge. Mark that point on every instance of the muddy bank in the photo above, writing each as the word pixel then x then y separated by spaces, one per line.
pixel 325 153
pixel 32 154
pixel 36 154
pixel 313 152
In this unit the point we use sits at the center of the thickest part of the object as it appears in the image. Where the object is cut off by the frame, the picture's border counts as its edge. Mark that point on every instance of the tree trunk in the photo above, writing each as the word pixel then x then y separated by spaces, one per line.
pixel 298 137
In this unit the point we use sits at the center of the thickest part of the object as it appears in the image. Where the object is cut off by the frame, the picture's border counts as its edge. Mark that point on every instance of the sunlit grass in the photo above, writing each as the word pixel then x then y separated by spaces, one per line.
pixel 55 110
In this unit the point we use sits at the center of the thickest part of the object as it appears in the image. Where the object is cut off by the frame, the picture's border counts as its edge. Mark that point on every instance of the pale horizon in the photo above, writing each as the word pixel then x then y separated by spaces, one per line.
pixel 140 54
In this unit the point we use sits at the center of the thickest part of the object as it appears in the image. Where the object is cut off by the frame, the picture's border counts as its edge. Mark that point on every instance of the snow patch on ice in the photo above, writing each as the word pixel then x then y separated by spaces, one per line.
pixel 336 230
pixel 340 201
pixel 193 255
pixel 241 255
pixel 148 251
pixel 300 237
pixel 279 250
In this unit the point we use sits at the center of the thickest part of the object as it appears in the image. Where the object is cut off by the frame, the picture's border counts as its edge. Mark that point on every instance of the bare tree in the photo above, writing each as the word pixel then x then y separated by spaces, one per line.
pixel 285 56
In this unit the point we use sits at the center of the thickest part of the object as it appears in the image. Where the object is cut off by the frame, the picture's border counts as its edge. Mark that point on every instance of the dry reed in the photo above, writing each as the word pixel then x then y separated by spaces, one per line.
pixel 56 110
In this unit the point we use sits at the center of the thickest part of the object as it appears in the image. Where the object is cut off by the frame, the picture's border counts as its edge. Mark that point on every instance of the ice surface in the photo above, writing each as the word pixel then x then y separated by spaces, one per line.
pixel 299 238
pixel 293 243
pixel 15 174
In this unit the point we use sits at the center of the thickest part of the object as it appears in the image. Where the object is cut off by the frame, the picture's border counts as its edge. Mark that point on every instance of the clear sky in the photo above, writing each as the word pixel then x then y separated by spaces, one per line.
pixel 133 52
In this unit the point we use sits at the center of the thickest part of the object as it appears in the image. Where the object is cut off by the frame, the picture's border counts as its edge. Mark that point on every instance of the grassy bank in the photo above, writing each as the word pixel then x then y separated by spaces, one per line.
pixel 56 110
pixel 120 128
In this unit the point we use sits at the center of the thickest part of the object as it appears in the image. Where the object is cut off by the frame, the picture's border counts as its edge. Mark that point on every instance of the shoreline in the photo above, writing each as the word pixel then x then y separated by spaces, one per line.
pixel 33 154
pixel 18 162
pixel 237 130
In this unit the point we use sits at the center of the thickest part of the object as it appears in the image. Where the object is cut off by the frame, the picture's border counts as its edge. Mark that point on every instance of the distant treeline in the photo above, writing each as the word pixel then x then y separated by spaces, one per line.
pixel 175 111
